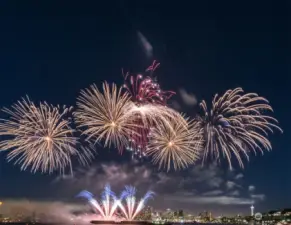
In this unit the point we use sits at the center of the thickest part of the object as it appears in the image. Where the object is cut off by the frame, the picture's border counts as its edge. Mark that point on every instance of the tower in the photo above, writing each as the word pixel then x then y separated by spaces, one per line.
pixel 252 210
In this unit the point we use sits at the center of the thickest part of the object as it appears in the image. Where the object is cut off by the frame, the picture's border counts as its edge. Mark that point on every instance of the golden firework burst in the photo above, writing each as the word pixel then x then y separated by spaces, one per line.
pixel 236 125
pixel 104 115
pixel 39 137
pixel 175 144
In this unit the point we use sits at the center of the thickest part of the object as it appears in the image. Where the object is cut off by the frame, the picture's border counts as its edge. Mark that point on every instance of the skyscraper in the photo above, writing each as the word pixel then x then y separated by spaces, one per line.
pixel 252 210
pixel 181 214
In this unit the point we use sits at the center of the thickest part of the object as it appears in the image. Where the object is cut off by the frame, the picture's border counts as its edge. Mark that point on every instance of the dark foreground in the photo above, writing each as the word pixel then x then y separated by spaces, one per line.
pixel 29 223
pixel 121 222
pixel 100 222
pixel 92 222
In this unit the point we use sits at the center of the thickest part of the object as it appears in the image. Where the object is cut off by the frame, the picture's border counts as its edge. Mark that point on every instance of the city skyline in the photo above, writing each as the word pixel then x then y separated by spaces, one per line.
pixel 65 211
pixel 172 191
pixel 52 51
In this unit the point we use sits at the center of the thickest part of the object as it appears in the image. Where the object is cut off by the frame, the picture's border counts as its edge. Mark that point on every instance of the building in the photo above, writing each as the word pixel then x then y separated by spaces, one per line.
pixel 145 214
pixel 181 214
pixel 276 213
pixel 205 216
pixel 252 210
pixel 168 215
pixel 189 218
pixel 286 212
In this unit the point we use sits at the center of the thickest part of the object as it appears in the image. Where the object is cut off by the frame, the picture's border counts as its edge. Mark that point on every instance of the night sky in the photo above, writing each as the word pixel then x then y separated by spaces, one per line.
pixel 50 50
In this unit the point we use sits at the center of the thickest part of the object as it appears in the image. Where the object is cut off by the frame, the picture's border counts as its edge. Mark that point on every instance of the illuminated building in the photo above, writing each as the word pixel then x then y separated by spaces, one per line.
pixel 189 218
pixel 252 210
pixel 181 214
pixel 168 215
pixel 205 216
pixel 145 214
pixel 148 213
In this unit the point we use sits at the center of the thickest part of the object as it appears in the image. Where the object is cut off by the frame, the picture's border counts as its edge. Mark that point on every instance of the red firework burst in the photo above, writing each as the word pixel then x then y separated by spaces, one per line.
pixel 144 90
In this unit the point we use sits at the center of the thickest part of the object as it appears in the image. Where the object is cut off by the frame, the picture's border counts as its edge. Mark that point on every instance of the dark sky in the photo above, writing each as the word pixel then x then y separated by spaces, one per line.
pixel 52 49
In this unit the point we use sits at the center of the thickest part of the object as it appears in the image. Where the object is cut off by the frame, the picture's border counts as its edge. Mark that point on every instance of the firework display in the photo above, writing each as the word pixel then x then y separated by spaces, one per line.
pixel 136 117
pixel 109 204
pixel 104 115
pixel 132 208
pixel 39 137
pixel 147 116
pixel 235 125
pixel 144 90
pixel 175 144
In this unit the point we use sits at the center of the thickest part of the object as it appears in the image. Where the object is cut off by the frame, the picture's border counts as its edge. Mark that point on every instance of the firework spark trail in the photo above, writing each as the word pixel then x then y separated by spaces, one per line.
pixel 92 201
pixel 235 125
pixel 39 137
pixel 104 115
pixel 144 90
pixel 148 115
pixel 151 115
pixel 109 202
pixel 132 207
pixel 86 153
pixel 177 143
